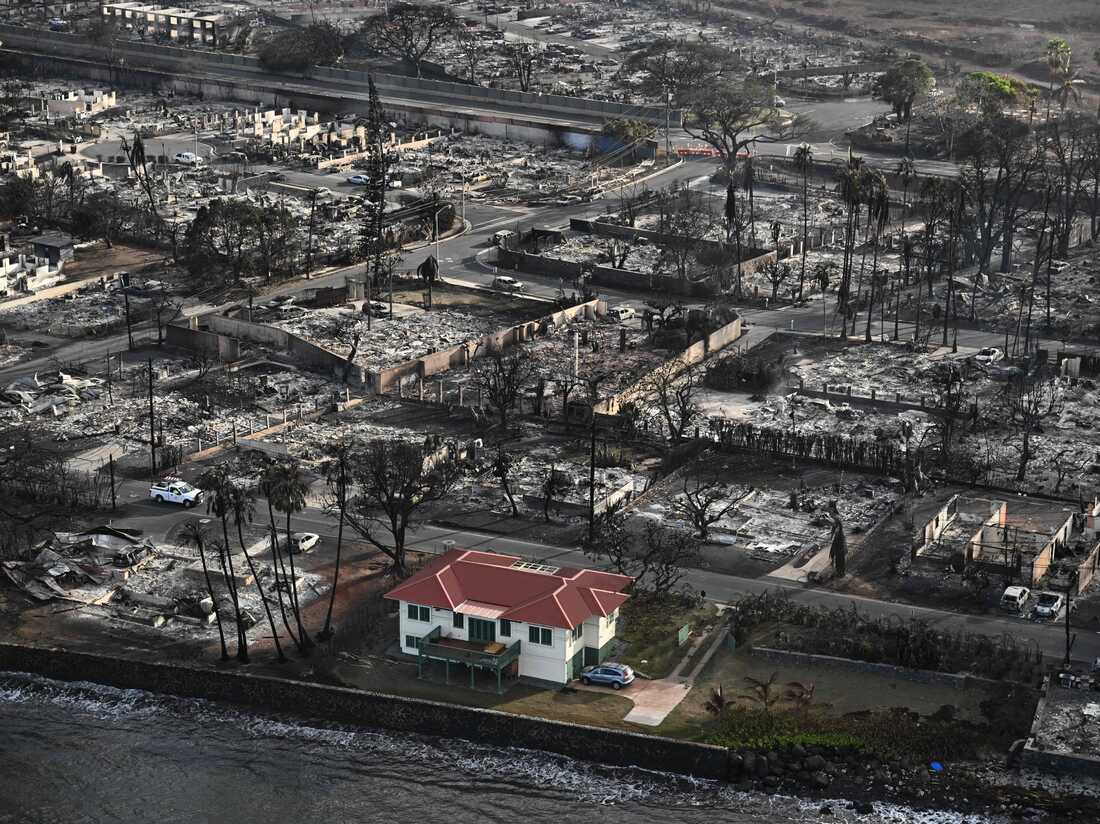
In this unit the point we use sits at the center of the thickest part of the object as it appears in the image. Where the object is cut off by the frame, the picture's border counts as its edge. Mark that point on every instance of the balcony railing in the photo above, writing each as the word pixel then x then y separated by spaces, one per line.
pixel 470 653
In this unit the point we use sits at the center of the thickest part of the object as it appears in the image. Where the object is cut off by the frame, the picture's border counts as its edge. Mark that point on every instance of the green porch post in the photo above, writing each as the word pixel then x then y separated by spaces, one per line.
pixel 446 671
pixel 471 676
pixel 419 661
pixel 498 680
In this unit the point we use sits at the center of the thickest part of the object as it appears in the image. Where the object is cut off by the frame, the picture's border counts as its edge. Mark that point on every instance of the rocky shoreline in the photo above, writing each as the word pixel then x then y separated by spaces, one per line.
pixel 859 778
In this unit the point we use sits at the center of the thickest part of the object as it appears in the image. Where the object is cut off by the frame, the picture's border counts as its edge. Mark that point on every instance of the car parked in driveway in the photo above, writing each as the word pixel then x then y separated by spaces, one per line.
pixel 359 180
pixel 615 676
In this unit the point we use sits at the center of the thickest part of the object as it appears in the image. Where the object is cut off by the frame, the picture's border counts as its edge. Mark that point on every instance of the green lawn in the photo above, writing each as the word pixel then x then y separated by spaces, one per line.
pixel 649 630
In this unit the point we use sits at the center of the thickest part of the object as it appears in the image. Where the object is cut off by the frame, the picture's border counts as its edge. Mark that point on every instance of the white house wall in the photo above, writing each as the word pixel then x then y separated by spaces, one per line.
pixel 535 660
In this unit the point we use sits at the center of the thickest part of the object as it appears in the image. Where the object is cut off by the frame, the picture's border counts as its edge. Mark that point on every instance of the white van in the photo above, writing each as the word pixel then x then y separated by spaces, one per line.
pixel 175 491
pixel 503 235
pixel 507 284
pixel 621 313
pixel 188 159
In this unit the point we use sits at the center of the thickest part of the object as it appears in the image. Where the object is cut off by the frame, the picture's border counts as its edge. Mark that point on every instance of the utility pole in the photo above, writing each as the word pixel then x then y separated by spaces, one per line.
pixel 111 460
pixel 1069 638
pixel 592 482
pixel 129 325
pixel 309 241
pixel 110 397
pixel 152 425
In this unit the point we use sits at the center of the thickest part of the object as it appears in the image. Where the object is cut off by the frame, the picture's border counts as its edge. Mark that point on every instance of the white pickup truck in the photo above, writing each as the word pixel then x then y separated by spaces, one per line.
pixel 175 491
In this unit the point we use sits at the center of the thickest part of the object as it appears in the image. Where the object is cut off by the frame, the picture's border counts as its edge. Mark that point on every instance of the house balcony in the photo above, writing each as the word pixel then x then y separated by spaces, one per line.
pixel 493 657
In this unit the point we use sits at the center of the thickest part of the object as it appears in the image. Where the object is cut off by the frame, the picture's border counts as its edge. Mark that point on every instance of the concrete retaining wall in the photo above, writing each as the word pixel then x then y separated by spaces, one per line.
pixel 460 355
pixel 349 706
pixel 804 659
pixel 696 353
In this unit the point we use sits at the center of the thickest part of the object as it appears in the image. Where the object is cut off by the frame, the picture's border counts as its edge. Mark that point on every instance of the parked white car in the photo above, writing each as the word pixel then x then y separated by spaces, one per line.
pixel 188 159
pixel 621 313
pixel 507 284
pixel 303 541
pixel 1059 265
pixel 359 180
pixel 1014 599
pixel 175 491
pixel 989 355
pixel 1049 605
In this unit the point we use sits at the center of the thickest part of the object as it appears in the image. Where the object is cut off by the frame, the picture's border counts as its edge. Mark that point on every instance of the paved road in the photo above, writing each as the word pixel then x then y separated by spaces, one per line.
pixel 158 520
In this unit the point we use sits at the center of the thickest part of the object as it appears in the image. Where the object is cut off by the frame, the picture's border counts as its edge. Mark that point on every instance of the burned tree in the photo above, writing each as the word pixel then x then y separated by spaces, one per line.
pixel 393 481
pixel 705 503
pixel 502 468
pixel 672 388
pixel 1032 399
pixel 503 379
pixel 410 32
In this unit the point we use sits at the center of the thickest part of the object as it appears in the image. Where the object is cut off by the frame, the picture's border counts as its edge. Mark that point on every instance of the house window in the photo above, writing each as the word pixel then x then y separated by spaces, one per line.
pixel 459 620
pixel 578 630
pixel 540 635
pixel 411 641
pixel 417 613
pixel 505 628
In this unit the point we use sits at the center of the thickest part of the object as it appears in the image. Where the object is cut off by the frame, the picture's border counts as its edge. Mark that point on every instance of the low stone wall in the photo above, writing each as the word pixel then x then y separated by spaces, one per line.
pixel 461 354
pixel 358 707
pixel 805 659
pixel 696 353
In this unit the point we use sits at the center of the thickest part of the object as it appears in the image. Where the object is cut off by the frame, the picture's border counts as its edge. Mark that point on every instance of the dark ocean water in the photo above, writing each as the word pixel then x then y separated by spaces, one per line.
pixel 76 753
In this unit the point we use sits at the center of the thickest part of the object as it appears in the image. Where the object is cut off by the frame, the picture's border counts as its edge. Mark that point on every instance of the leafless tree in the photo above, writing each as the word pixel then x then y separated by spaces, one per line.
pixel 553 485
pixel 393 481
pixel 503 379
pixel 778 274
pixel 503 466
pixel 672 388
pixel 666 555
pixel 523 58
pixel 1032 399
pixel 704 503
pixel 471 51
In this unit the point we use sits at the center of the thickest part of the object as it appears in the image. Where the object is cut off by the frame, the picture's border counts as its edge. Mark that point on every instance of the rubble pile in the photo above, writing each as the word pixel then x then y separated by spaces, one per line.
pixel 388 342
pixel 763 524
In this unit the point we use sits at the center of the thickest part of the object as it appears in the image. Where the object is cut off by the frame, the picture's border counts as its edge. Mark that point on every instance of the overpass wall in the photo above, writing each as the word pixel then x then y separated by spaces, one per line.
pixel 55 43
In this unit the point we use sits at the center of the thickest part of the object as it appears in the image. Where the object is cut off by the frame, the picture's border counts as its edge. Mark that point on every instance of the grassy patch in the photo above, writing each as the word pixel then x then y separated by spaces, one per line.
pixel 893 734
pixel 650 629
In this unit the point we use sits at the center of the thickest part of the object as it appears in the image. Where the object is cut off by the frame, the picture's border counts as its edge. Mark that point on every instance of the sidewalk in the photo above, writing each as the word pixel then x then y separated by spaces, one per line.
pixel 654 700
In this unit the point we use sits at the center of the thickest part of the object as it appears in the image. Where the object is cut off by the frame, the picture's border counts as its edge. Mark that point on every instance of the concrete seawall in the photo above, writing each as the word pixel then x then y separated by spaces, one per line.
pixel 370 709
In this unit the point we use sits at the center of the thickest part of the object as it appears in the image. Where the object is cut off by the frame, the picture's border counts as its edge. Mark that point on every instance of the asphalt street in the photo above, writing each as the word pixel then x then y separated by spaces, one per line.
pixel 159 519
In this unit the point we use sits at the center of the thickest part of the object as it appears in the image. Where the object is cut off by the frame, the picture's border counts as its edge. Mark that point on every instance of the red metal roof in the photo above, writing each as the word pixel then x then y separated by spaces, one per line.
pixel 563 598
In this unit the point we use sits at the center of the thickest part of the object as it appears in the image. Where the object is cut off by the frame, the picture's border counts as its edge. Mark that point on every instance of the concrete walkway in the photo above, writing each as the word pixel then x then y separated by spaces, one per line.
pixel 654 700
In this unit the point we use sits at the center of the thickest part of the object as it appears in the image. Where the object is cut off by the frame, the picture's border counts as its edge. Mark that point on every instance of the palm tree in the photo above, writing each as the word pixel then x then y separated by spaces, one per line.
pixel 1068 82
pixel 750 187
pixel 267 479
pixel 215 482
pixel 907 170
pixel 338 477
pixel 878 212
pixel 908 251
pixel 193 533
pixel 243 504
pixel 1058 56
pixel 804 161
pixel 850 189
pixel 288 495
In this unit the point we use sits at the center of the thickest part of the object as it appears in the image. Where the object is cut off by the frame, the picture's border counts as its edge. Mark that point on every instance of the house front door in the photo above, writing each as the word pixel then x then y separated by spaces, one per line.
pixel 484 632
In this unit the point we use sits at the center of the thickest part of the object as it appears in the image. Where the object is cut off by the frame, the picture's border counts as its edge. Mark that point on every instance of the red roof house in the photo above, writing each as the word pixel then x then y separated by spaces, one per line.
pixel 563 618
